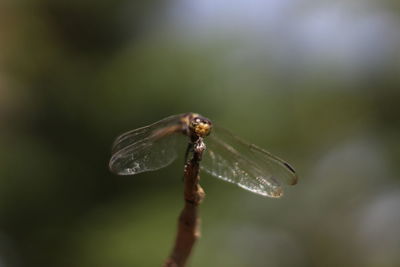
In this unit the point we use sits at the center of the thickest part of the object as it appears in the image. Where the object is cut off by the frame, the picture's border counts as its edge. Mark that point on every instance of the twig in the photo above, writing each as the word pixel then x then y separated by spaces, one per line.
pixel 189 221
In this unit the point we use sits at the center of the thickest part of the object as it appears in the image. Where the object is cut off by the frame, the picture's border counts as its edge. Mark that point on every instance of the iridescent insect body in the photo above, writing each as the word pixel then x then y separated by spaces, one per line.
pixel 227 157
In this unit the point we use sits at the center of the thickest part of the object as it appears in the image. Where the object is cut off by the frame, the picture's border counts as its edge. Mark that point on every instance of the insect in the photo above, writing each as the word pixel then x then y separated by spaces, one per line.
pixel 226 157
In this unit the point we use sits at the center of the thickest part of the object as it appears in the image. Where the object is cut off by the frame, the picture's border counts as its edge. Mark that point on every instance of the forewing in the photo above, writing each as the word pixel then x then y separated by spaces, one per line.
pixel 148 148
pixel 231 159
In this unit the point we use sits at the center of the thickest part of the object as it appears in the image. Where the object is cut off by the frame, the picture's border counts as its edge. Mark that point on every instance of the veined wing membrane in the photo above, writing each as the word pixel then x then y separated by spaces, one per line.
pixel 231 159
pixel 148 148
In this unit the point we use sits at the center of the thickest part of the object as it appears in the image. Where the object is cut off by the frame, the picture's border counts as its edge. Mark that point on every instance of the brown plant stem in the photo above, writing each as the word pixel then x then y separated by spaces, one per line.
pixel 189 220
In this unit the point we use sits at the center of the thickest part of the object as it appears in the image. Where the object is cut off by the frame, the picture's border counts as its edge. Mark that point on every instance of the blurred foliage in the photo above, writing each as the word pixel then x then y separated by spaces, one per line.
pixel 73 75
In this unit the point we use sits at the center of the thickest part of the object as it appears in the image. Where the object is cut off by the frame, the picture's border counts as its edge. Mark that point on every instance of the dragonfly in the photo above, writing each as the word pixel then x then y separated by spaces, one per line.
pixel 226 157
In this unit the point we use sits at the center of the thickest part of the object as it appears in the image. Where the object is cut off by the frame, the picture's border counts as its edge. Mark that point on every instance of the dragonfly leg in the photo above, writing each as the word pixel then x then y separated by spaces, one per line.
pixel 189 149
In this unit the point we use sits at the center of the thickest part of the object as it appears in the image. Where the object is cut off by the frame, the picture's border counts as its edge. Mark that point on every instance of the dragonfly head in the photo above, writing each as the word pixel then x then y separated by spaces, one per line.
pixel 200 125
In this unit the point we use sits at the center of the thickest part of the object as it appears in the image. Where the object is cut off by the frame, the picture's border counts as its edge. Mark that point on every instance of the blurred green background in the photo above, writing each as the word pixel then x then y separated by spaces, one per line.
pixel 314 82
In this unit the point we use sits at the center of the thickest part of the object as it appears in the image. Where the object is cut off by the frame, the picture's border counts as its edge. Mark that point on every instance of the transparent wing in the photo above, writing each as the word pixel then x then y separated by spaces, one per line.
pixel 231 159
pixel 148 148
